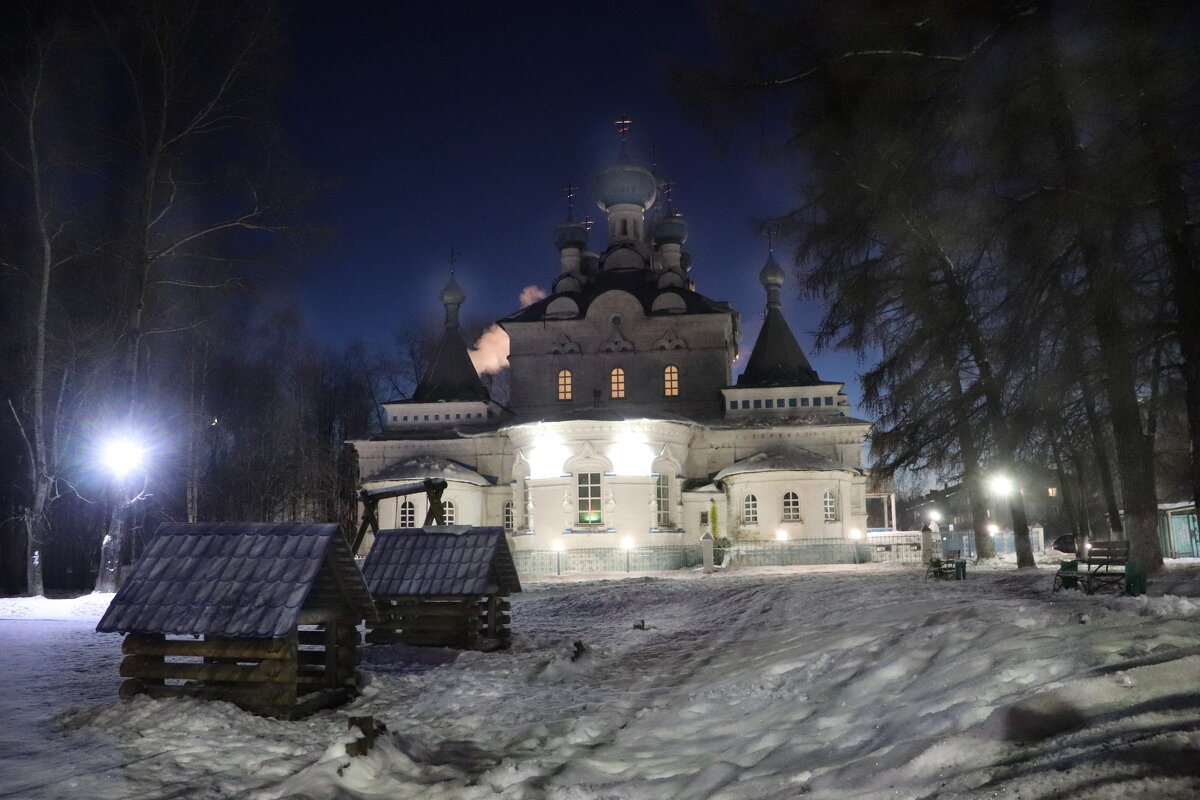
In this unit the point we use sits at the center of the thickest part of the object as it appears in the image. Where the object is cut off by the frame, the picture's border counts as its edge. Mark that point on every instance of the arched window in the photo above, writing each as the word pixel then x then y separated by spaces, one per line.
pixel 408 515
pixel 508 516
pixel 449 512
pixel 564 384
pixel 750 509
pixel 791 507
pixel 617 383
pixel 829 502
pixel 670 381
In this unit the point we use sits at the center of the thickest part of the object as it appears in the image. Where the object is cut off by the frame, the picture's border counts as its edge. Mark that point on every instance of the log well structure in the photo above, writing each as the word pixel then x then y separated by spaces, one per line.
pixel 261 615
pixel 442 586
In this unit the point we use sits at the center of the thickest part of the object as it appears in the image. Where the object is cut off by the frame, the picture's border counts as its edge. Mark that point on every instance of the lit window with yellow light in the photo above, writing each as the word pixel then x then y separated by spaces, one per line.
pixel 617 384
pixel 671 381
pixel 564 384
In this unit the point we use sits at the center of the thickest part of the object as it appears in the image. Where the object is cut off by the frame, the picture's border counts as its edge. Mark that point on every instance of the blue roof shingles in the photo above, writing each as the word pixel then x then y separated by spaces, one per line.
pixel 451 560
pixel 227 579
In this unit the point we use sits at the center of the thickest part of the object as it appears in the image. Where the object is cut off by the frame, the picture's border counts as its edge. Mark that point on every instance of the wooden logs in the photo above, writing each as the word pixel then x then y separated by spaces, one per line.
pixel 467 622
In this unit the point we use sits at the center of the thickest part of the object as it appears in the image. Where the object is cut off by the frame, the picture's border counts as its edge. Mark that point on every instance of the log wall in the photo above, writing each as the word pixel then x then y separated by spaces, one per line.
pixel 313 668
pixel 467 623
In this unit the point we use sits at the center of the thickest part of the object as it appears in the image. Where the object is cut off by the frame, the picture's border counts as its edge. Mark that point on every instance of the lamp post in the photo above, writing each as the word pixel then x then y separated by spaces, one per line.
pixel 124 457
pixel 1003 486
pixel 558 547
pixel 855 535
pixel 627 545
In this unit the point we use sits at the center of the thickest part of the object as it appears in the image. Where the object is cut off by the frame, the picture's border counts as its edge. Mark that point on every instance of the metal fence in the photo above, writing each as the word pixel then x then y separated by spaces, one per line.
pixel 651 558
pixel 900 548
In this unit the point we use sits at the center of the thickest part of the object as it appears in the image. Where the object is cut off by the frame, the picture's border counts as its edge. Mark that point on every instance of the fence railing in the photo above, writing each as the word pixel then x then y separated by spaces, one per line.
pixel 898 547
pixel 651 558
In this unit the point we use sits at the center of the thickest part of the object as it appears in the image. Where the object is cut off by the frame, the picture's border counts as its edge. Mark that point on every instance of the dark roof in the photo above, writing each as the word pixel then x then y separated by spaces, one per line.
pixel 239 579
pixel 440 560
pixel 641 283
pixel 784 458
pixel 428 465
pixel 777 359
pixel 451 375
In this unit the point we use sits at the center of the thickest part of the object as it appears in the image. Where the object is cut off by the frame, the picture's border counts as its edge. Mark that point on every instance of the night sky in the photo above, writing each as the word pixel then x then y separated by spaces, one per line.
pixel 458 125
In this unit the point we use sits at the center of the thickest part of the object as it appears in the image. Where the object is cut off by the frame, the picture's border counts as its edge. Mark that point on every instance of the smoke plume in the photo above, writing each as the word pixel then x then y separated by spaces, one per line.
pixel 490 352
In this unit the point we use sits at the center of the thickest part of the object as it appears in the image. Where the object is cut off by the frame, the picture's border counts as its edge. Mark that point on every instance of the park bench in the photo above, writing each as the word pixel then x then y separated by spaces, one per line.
pixel 943 569
pixel 1103 566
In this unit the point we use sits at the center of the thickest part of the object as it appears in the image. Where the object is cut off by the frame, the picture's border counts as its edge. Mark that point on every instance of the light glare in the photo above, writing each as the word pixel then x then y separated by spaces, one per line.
pixel 122 456
pixel 1001 485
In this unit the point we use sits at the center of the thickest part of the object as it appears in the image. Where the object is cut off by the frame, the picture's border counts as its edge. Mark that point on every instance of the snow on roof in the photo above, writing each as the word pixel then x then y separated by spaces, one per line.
pixel 784 458
pixel 427 465
pixel 238 579
pixel 440 560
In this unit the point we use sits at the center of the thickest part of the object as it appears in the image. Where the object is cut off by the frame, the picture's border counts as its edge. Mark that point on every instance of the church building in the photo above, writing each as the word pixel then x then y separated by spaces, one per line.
pixel 625 427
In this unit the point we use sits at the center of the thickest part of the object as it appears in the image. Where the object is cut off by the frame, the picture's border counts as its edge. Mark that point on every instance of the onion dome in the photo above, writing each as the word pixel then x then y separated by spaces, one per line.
pixel 452 294
pixel 570 234
pixel 671 230
pixel 771 275
pixel 626 182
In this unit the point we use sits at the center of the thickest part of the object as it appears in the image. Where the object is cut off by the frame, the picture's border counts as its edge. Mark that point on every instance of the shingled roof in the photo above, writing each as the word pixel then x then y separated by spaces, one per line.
pixel 784 458
pixel 238 579
pixel 777 359
pixel 440 560
pixel 642 284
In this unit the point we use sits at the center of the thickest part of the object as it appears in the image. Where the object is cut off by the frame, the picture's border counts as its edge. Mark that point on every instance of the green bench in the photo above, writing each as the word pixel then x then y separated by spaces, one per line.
pixel 1103 567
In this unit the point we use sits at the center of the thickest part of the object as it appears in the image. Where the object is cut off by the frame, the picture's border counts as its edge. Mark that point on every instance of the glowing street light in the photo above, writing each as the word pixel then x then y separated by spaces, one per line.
pixel 781 535
pixel 993 529
pixel 1001 485
pixel 122 456
pixel 627 545
pixel 558 547
pixel 935 516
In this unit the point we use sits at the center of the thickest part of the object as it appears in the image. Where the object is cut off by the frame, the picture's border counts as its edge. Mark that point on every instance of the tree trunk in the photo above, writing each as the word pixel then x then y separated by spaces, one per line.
pixel 1096 430
pixel 109 579
pixel 1135 457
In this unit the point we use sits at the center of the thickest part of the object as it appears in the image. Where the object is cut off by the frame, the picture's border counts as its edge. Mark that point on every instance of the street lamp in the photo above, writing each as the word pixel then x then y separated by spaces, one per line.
pixel 1001 485
pixel 935 516
pixel 558 547
pixel 124 457
pixel 781 535
pixel 993 529
pixel 855 535
pixel 627 545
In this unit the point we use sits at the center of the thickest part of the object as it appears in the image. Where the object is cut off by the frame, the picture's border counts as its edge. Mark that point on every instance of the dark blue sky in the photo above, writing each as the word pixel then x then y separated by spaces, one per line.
pixel 458 125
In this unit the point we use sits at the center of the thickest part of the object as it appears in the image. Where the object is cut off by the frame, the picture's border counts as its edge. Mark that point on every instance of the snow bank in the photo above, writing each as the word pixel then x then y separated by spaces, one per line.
pixel 853 682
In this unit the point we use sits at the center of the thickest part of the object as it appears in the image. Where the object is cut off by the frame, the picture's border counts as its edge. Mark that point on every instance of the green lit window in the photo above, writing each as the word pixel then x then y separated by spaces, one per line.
pixel 589 498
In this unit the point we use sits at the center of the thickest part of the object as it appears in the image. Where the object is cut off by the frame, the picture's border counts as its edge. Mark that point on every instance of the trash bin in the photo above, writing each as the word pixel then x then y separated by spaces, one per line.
pixel 1069 581
pixel 960 570
pixel 1135 579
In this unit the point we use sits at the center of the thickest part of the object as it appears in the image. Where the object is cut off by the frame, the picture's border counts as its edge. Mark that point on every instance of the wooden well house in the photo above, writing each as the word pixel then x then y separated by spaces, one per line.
pixel 442 586
pixel 261 615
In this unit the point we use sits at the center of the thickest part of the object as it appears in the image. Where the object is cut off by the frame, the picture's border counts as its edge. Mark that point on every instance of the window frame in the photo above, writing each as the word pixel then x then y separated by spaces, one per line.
pixel 662 500
pixel 406 513
pixel 791 507
pixel 750 509
pixel 616 384
pixel 829 505
pixel 565 385
pixel 449 512
pixel 589 508
pixel 670 381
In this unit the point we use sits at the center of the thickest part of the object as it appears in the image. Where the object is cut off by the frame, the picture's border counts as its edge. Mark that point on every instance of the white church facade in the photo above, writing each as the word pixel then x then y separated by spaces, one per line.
pixel 625 427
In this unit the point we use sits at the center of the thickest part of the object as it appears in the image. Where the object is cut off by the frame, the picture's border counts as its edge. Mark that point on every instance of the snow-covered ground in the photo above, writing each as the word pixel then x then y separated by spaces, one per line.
pixel 822 682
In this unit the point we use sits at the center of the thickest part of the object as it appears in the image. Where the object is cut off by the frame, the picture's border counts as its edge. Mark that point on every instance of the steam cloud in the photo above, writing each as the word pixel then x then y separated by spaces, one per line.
pixel 490 353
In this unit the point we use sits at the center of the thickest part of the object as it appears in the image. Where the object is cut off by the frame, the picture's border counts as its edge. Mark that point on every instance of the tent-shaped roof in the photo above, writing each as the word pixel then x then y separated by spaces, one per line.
pixel 777 359
pixel 440 560
pixel 784 459
pixel 451 375
pixel 237 579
